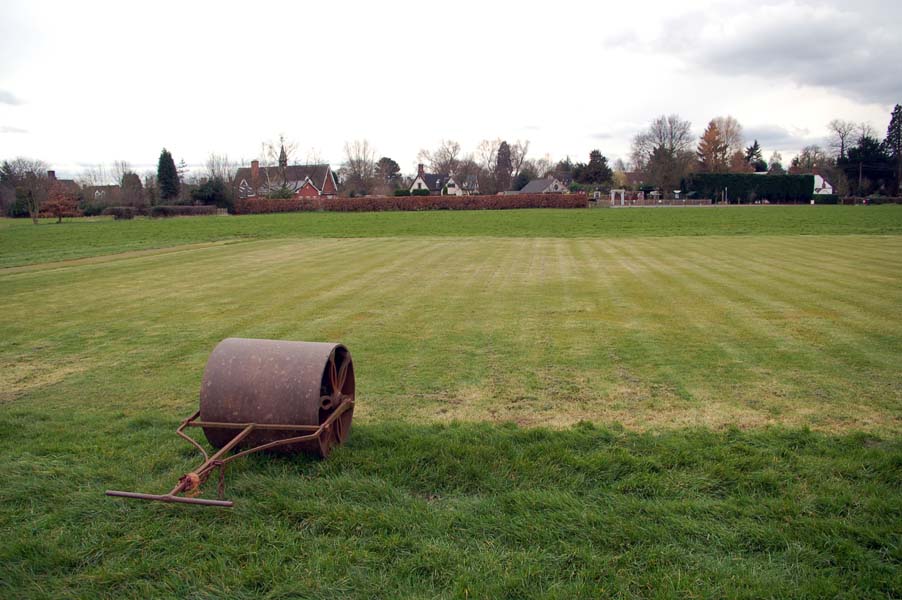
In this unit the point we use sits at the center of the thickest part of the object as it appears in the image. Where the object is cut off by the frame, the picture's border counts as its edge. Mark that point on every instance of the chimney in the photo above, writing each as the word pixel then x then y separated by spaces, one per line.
pixel 255 172
pixel 51 175
pixel 420 170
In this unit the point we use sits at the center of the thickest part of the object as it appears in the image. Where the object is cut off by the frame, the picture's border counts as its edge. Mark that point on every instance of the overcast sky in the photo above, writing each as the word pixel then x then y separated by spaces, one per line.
pixel 86 82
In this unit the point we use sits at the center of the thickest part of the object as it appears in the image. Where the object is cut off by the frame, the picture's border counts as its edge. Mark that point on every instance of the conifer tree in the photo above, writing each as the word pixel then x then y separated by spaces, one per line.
pixel 503 167
pixel 892 145
pixel 712 150
pixel 167 176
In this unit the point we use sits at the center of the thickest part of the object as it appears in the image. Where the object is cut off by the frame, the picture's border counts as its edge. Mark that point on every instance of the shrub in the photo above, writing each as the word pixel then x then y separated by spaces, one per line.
pixel 419 192
pixel 181 210
pixel 826 199
pixel 92 210
pixel 214 192
pixel 402 203
pixel 120 212
pixel 402 192
pixel 257 206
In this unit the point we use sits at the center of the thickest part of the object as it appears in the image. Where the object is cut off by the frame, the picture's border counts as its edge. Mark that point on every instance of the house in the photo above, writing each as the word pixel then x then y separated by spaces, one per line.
pixel 103 193
pixel 821 185
pixel 547 185
pixel 442 185
pixel 67 185
pixel 303 181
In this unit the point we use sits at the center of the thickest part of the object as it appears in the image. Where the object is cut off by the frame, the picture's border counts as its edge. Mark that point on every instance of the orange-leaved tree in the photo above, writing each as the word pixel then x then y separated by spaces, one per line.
pixel 60 203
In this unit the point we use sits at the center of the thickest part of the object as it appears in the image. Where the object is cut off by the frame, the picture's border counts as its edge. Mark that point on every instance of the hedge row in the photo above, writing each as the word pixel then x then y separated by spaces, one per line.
pixel 120 212
pixel 249 206
pixel 181 210
pixel 748 188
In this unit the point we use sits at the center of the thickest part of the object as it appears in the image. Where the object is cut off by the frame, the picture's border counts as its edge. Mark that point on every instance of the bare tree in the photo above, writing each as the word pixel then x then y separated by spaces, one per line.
pixel 518 155
pixel 444 159
pixel 621 166
pixel 866 130
pixel 487 158
pixel 220 167
pixel 840 135
pixel 313 157
pixel 810 157
pixel 29 177
pixel 120 169
pixel 543 166
pixel 731 134
pixel 359 169
pixel 671 133
pixel 664 151
pixel 93 176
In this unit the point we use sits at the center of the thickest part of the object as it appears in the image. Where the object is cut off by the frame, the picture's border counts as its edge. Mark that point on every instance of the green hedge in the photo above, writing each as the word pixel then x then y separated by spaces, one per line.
pixel 402 192
pixel 120 212
pixel 181 210
pixel 419 192
pixel 826 199
pixel 743 187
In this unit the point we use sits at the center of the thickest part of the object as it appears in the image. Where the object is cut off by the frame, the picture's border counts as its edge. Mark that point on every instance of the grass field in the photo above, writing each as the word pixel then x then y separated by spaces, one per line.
pixel 634 403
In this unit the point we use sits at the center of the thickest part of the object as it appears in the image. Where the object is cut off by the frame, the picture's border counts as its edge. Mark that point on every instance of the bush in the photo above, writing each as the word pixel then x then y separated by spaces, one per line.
pixel 180 210
pixel 92 210
pixel 120 212
pixel 402 192
pixel 826 199
pixel 249 206
pixel 213 192
pixel 419 192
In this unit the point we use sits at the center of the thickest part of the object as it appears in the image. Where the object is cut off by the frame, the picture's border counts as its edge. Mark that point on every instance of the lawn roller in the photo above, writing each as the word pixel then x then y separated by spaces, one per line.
pixel 286 397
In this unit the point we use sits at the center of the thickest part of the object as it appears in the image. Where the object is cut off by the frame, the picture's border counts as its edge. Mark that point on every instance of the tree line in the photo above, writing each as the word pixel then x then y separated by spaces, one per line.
pixel 857 162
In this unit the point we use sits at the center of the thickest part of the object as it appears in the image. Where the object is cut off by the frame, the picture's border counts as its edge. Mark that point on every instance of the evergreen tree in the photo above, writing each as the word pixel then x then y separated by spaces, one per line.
pixel 564 170
pixel 167 176
pixel 892 145
pixel 503 167
pixel 866 166
pixel 753 152
pixel 387 169
pixel 597 171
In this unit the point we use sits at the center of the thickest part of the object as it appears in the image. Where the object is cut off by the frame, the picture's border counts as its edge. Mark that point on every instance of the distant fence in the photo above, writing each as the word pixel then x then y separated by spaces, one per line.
pixel 626 202
pixel 248 206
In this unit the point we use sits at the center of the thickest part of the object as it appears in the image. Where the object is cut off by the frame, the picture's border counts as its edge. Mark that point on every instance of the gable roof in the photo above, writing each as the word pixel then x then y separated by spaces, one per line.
pixel 293 174
pixel 434 182
pixel 537 186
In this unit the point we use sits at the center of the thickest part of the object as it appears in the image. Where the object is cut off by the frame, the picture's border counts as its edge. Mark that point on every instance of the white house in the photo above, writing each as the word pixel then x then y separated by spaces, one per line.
pixel 443 185
pixel 821 185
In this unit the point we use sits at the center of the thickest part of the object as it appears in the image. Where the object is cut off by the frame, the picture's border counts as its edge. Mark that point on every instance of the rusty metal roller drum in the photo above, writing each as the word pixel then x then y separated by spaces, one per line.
pixel 277 383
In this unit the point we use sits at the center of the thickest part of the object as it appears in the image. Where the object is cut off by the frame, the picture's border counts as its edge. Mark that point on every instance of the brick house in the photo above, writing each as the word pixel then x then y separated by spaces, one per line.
pixel 304 181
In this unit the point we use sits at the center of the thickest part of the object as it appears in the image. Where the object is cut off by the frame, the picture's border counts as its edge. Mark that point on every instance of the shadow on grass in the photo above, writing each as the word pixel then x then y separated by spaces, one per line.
pixel 478 510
